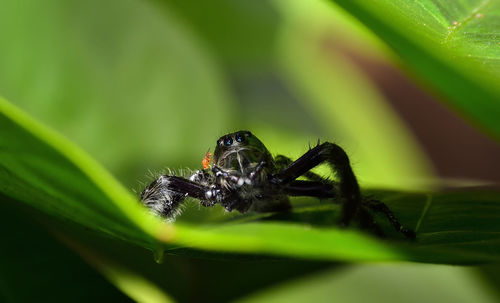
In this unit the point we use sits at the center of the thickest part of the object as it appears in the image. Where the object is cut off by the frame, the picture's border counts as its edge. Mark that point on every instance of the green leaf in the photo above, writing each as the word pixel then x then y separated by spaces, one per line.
pixel 132 283
pixel 39 167
pixel 383 283
pixel 453 46
pixel 43 169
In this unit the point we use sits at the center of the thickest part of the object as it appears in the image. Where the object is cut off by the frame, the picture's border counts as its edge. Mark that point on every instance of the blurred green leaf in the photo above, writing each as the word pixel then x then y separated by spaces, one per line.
pixel 128 82
pixel 245 46
pixel 409 283
pixel 343 101
pixel 132 283
pixel 42 169
pixel 294 89
pixel 453 46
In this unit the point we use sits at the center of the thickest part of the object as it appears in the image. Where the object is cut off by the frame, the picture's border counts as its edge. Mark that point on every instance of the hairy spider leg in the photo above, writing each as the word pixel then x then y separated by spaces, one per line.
pixel 310 188
pixel 382 208
pixel 283 161
pixel 166 193
pixel 368 222
pixel 321 188
pixel 339 162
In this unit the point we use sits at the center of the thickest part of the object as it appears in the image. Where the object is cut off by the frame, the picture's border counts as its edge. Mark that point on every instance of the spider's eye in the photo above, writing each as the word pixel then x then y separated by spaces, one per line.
pixel 239 137
pixel 228 141
pixel 248 134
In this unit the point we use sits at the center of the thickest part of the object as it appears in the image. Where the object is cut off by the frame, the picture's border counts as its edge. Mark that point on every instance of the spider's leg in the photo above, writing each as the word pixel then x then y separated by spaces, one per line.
pixel 218 172
pixel 310 188
pixel 382 208
pixel 337 158
pixel 367 221
pixel 166 193
pixel 283 161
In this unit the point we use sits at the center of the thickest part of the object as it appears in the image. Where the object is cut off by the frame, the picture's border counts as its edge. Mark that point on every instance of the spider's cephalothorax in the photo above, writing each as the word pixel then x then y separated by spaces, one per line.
pixel 242 167
pixel 244 176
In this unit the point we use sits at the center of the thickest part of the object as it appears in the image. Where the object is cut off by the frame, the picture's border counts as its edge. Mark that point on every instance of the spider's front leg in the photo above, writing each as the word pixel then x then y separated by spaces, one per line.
pixel 165 194
pixel 338 160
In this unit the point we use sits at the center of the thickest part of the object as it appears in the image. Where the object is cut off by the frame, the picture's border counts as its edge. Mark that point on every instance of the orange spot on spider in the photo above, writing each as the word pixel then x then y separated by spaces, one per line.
pixel 206 160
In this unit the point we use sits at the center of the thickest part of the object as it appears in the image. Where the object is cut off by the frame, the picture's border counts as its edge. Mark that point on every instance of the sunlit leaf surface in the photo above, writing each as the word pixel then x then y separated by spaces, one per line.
pixel 453 45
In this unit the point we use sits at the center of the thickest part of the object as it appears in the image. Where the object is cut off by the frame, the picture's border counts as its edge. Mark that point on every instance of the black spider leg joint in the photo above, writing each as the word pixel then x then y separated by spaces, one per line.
pixel 339 162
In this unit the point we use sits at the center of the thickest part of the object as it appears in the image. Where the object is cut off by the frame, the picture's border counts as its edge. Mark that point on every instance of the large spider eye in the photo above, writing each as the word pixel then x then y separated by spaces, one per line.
pixel 239 137
pixel 228 141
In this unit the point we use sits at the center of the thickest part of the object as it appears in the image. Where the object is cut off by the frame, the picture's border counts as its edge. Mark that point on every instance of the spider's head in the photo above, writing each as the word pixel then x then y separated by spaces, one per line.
pixel 240 152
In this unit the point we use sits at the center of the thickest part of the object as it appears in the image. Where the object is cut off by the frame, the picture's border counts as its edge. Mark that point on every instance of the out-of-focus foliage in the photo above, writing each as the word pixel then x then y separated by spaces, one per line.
pixel 129 83
pixel 151 84
pixel 341 98
pixel 357 284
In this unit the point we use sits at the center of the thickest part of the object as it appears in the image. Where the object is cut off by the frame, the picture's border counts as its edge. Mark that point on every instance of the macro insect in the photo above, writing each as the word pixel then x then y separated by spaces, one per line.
pixel 245 177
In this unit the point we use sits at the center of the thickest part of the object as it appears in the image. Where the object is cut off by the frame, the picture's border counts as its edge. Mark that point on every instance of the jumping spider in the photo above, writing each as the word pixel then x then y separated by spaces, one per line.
pixel 246 177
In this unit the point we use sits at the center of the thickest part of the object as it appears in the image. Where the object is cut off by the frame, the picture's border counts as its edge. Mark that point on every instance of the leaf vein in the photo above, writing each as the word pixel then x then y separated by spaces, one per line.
pixel 424 212
pixel 453 29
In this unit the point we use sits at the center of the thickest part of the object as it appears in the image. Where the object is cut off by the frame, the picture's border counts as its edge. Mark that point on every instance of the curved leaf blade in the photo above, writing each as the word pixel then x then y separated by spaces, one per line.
pixel 40 167
pixel 379 284
pixel 452 45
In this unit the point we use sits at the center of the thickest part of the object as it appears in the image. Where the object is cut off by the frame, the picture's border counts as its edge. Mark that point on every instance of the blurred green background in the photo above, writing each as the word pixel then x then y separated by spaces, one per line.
pixel 146 85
